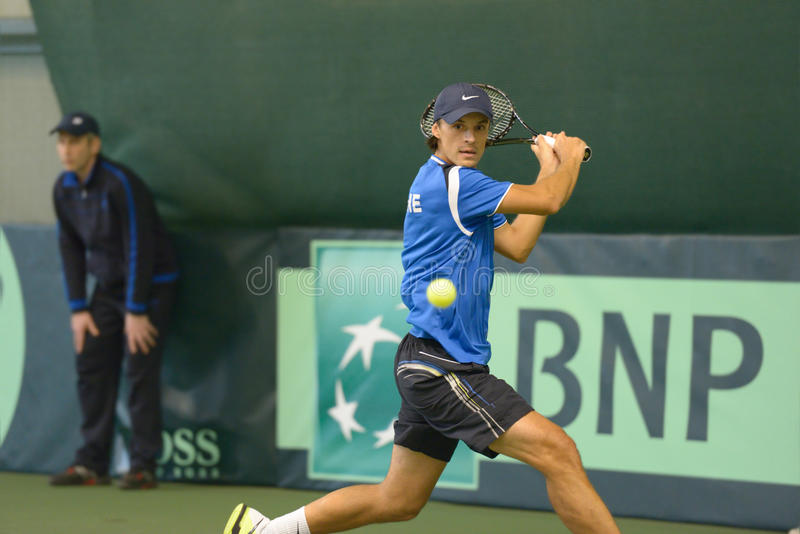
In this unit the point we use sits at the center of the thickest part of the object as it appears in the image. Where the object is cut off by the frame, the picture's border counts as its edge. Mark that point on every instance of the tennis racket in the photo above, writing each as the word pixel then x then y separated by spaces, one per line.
pixel 504 116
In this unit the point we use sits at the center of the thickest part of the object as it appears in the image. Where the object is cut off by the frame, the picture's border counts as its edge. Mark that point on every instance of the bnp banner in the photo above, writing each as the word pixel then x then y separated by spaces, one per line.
pixel 672 380
pixel 359 322
pixel 672 361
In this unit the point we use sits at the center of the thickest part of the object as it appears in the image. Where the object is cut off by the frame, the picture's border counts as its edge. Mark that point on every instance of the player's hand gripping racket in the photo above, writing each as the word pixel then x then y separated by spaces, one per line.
pixel 504 117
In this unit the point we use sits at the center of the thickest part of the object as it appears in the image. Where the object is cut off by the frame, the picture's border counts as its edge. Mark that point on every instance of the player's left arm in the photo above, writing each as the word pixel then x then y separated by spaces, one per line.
pixel 516 240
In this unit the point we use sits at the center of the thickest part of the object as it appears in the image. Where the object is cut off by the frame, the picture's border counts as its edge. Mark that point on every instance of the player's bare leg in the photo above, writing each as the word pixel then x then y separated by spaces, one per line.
pixel 402 494
pixel 542 444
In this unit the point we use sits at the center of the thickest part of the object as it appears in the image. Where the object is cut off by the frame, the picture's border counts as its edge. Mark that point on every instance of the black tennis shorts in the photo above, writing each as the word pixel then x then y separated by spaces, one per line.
pixel 444 401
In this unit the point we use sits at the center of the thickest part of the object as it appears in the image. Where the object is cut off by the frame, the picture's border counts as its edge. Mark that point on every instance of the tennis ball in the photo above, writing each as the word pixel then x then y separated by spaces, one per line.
pixel 441 292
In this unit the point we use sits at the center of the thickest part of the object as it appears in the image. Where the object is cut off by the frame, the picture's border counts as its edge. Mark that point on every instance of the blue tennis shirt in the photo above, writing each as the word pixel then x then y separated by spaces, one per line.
pixel 449 233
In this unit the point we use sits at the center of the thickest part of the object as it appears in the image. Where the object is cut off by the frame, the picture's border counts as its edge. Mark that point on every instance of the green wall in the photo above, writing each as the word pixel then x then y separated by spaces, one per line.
pixel 305 113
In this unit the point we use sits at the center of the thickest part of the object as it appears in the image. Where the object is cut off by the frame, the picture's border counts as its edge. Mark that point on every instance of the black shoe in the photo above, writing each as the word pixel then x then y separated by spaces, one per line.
pixel 79 475
pixel 138 479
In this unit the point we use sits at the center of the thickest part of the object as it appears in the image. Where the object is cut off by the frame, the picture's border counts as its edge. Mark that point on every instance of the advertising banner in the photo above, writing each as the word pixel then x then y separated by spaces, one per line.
pixel 671 361
pixel 12 336
pixel 670 381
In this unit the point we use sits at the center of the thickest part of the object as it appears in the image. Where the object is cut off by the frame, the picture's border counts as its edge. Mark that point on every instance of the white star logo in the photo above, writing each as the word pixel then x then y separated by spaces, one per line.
pixel 384 436
pixel 344 414
pixel 364 338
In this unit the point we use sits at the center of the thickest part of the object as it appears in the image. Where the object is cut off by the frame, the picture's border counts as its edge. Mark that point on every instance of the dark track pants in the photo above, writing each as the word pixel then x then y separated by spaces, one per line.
pixel 99 368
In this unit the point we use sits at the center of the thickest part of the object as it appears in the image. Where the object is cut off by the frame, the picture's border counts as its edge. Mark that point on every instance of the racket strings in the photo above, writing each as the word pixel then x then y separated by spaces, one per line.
pixel 503 114
pixel 426 122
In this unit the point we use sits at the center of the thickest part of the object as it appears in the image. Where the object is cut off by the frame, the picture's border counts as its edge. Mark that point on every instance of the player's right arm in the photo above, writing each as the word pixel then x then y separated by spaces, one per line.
pixel 550 192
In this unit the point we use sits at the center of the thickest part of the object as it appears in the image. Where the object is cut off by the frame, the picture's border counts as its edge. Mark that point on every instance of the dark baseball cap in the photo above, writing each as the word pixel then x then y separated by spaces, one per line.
pixel 458 99
pixel 77 123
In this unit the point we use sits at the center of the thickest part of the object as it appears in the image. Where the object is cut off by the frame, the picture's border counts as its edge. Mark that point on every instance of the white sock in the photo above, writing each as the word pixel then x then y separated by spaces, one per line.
pixel 293 523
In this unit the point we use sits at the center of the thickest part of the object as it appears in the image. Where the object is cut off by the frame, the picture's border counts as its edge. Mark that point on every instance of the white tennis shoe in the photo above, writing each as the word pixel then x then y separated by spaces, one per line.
pixel 246 520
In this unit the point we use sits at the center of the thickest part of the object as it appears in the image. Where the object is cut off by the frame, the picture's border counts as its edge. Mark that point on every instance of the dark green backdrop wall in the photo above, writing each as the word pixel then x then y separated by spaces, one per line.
pixel 265 114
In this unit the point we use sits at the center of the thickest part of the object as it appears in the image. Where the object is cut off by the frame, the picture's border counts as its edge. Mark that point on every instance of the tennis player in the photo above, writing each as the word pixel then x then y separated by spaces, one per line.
pixel 452 229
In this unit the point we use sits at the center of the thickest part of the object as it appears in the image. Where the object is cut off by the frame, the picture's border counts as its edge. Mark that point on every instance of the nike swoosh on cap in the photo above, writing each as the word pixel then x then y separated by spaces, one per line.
pixel 465 97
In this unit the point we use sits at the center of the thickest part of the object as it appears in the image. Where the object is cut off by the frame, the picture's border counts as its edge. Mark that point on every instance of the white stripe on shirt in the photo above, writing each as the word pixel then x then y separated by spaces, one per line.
pixel 453 185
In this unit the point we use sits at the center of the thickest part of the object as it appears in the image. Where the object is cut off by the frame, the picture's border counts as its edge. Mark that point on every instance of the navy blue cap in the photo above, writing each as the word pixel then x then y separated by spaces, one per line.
pixel 458 99
pixel 77 123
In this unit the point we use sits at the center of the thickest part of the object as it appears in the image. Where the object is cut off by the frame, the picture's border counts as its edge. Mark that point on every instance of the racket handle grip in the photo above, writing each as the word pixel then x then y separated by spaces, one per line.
pixel 587 153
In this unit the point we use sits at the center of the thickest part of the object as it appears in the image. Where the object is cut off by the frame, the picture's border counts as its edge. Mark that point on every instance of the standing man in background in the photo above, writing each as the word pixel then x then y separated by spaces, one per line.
pixel 108 226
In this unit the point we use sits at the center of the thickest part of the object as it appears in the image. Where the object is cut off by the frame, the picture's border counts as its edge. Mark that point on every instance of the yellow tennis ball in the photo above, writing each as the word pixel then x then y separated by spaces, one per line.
pixel 441 292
